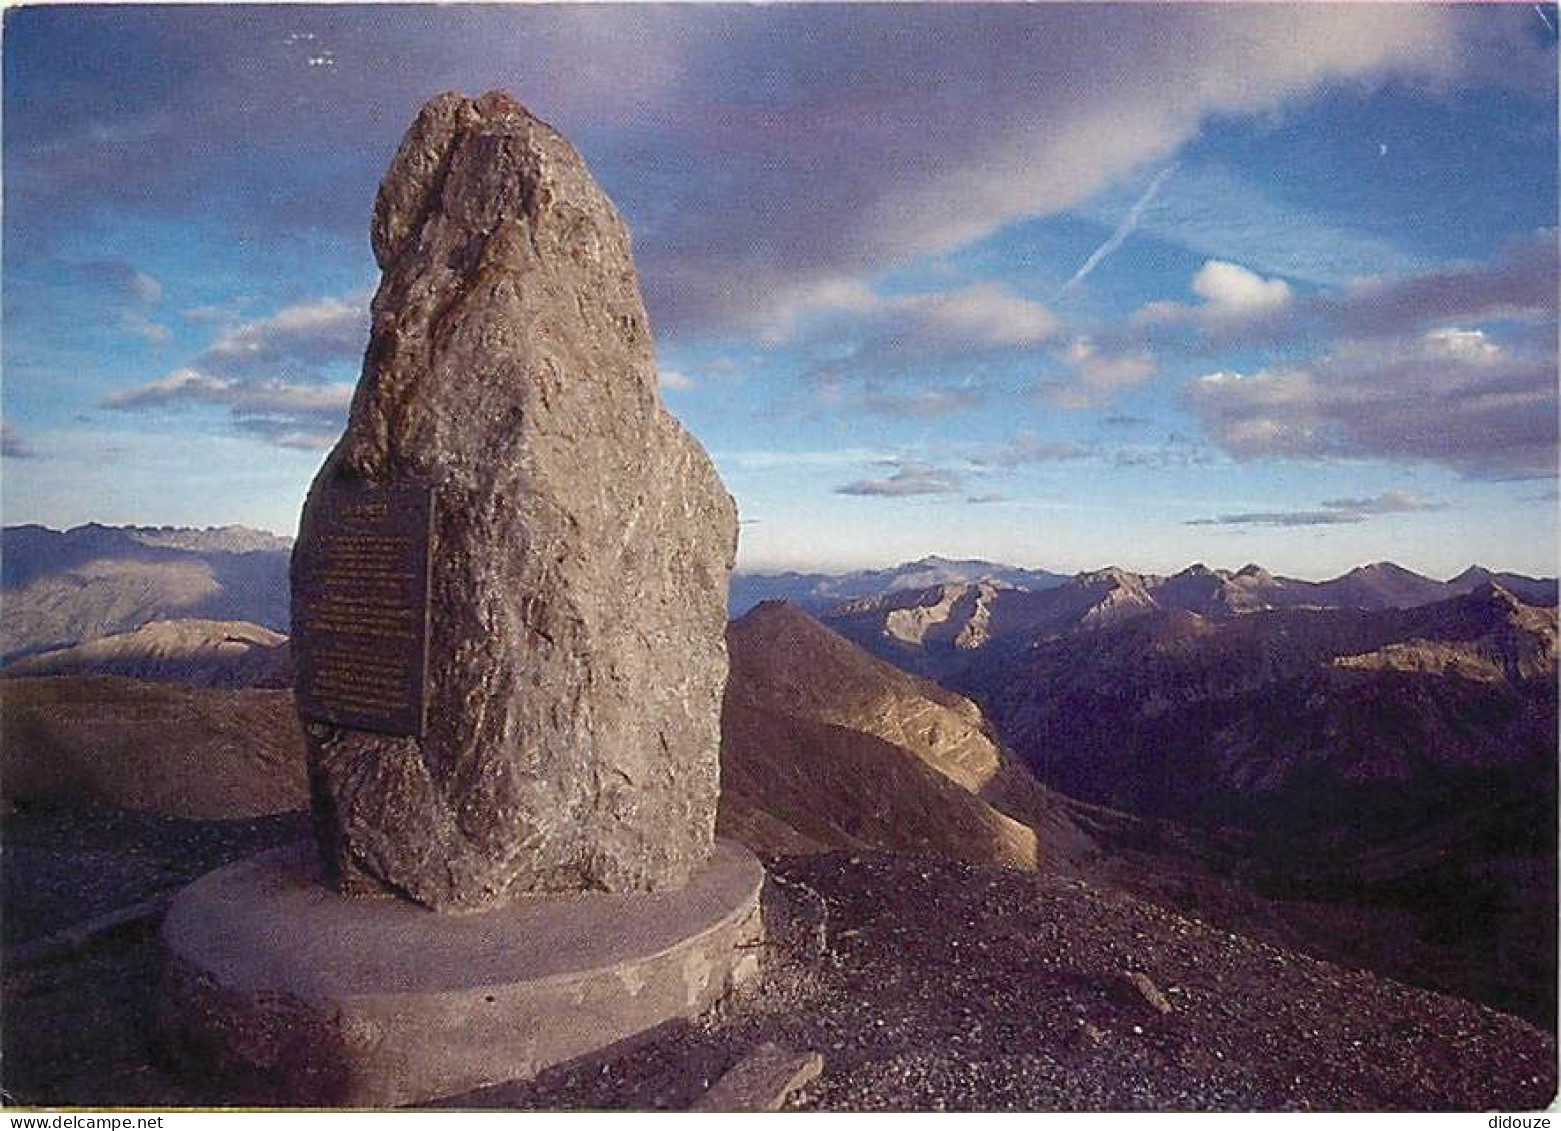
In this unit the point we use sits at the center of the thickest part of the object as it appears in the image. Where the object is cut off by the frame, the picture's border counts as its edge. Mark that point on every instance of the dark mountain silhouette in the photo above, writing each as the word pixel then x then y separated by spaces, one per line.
pixel 1172 712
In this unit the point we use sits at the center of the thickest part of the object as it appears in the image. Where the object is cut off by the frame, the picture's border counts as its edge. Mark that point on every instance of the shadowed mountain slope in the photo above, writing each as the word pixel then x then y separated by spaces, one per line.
pixel 179 751
pixel 820 738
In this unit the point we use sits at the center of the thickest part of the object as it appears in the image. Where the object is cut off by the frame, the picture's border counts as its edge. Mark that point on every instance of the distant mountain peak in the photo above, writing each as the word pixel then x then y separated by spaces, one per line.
pixel 1474 575
pixel 1383 569
pixel 1115 574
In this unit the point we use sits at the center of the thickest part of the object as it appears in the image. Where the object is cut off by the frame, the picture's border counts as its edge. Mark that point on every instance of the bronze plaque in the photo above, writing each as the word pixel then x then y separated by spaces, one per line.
pixel 360 595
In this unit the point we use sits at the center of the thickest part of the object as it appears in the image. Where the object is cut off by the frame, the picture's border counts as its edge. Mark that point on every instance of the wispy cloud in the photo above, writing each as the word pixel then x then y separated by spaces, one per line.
pixel 13 445
pixel 920 404
pixel 1333 512
pixel 1028 448
pixel 309 334
pixel 267 373
pixel 120 279
pixel 1235 300
pixel 1388 502
pixel 287 415
pixel 1517 283
pixel 778 459
pixel 1123 230
pixel 911 478
pixel 191 386
pixel 1097 376
pixel 898 335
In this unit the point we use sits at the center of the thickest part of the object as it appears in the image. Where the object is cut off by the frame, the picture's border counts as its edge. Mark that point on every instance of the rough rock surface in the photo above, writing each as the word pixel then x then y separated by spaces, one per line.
pixel 582 540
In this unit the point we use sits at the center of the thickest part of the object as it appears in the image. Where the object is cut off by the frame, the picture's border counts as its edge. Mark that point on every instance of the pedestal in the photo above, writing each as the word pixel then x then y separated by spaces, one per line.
pixel 297 995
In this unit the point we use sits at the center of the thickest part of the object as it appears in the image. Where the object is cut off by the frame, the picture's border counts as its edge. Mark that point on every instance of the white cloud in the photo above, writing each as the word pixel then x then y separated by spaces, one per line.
pixel 672 379
pixel 1229 290
pixel 144 327
pixel 283 414
pixel 1236 301
pixel 310 333
pixel 1098 376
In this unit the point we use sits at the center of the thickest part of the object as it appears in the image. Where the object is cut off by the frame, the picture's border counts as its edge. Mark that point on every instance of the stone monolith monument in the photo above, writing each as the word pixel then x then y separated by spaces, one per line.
pixel 509 604
pixel 578 557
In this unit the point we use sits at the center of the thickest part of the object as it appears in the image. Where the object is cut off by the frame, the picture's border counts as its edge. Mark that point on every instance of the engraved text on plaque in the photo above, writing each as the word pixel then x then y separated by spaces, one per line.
pixel 360 587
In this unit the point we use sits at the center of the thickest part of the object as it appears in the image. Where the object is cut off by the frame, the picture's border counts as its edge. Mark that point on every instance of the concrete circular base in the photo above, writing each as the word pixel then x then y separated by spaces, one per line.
pixel 301 996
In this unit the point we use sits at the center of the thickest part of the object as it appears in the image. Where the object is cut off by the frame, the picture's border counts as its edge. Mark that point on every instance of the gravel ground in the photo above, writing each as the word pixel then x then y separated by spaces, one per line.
pixel 64 863
pixel 937 986
pixel 926 985
pixel 77 1028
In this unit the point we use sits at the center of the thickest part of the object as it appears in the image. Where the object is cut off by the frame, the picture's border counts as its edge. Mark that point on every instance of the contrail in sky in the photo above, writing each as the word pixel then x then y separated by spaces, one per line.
pixel 1124 229
pixel 1542 16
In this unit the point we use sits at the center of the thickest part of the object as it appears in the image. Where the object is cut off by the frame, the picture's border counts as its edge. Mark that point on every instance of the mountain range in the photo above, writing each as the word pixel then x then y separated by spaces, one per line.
pixel 62 588
pixel 1389 760
pixel 935 630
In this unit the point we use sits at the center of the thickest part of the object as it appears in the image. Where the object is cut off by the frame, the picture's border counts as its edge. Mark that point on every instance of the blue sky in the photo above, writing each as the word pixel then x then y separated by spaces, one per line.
pixel 1059 285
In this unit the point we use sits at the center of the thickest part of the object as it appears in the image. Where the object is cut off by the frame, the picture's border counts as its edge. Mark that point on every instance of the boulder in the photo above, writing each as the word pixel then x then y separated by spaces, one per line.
pixel 579 549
